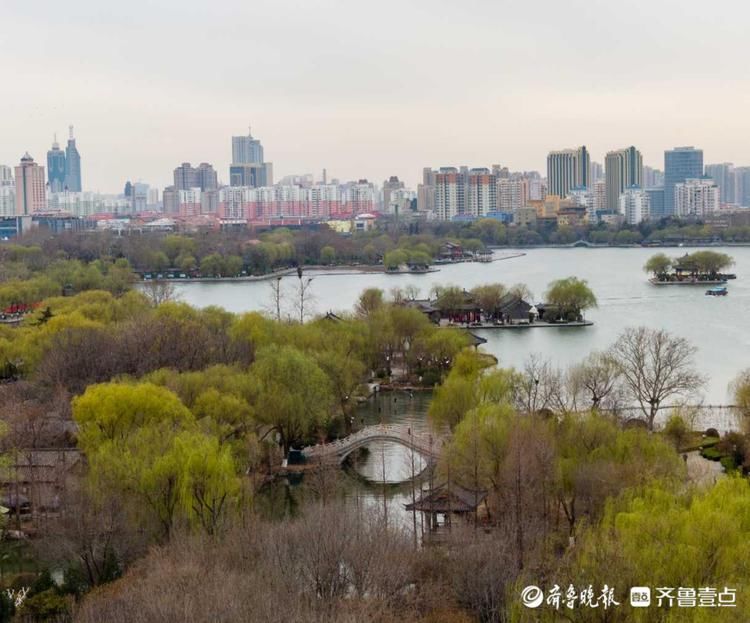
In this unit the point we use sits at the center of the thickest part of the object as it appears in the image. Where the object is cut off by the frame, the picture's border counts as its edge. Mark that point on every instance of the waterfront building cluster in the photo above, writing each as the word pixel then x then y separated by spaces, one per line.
pixel 576 191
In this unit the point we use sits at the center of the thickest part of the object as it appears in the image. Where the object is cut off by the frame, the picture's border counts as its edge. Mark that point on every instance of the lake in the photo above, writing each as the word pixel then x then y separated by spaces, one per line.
pixel 718 326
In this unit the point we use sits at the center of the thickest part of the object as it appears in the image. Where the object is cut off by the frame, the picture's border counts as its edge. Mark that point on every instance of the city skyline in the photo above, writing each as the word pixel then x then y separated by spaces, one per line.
pixel 370 101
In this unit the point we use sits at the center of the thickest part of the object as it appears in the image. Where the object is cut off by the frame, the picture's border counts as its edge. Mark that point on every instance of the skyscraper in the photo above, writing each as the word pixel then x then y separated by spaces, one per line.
pixel 203 176
pixel 652 177
pixel 723 175
pixel 680 164
pixel 623 169
pixel 246 150
pixel 72 164
pixel 31 192
pixel 6 175
pixel 567 169
pixel 655 202
pixel 248 167
pixel 450 193
pixel 56 168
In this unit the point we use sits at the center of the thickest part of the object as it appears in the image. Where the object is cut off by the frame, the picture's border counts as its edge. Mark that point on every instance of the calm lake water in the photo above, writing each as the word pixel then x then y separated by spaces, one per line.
pixel 718 326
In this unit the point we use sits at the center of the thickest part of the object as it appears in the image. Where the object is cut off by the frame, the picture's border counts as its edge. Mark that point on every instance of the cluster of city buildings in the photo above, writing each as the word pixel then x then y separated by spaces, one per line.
pixel 575 190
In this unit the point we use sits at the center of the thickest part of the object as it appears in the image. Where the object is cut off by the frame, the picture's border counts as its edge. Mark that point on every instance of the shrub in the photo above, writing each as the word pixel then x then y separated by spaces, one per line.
pixel 44 605
pixel 712 432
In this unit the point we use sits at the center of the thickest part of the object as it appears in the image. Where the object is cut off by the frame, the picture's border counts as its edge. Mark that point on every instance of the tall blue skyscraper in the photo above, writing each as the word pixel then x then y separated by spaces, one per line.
pixel 248 168
pixel 680 164
pixel 72 165
pixel 56 168
pixel 246 150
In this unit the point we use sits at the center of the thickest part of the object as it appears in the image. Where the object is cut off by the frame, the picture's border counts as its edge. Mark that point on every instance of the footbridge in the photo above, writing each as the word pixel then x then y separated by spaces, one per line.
pixel 426 444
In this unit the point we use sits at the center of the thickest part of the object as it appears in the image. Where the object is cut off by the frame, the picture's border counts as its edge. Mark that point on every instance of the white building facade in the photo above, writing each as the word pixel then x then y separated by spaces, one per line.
pixel 696 197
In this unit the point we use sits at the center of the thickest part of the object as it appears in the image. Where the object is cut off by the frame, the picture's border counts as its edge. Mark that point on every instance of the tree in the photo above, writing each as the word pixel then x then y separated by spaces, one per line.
pixel 111 412
pixel 159 291
pixel 658 265
pixel 666 536
pixel 710 262
pixel 369 301
pixel 294 398
pixel 740 389
pixel 213 265
pixel 597 459
pixel 141 441
pixel 571 296
pixel 449 298
pixel 304 295
pixel 327 255
pixel 394 259
pixel 488 297
pixel 597 378
pixel 656 366
pixel 276 297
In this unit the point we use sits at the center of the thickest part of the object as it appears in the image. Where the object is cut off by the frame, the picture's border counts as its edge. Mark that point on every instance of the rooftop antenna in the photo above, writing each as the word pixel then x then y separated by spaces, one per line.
pixel 55 144
pixel 70 130
pixel 250 131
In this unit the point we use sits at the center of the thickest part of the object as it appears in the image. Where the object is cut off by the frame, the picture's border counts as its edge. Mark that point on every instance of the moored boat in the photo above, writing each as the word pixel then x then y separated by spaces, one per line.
pixel 717 291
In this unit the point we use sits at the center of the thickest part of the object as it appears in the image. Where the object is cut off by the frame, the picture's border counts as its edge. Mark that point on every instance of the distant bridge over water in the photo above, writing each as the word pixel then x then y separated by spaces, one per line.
pixel 426 444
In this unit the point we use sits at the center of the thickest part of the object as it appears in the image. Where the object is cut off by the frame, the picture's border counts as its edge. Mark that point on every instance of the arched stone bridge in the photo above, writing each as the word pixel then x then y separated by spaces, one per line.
pixel 426 444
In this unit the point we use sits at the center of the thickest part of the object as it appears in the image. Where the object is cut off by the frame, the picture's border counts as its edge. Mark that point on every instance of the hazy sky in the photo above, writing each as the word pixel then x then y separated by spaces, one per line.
pixel 370 89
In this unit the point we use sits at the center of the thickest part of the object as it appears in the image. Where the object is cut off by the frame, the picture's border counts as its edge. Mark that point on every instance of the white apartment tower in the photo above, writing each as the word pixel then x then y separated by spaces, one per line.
pixel 696 197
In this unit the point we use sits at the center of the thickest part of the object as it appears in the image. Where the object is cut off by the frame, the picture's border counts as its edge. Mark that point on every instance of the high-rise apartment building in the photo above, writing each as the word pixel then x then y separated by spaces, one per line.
pixel 481 192
pixel 390 185
pixel 696 197
pixel 652 177
pixel 187 177
pixel 72 164
pixel 568 169
pixel 723 175
pixel 623 169
pixel 6 175
pixel 680 164
pixel 512 193
pixel 450 193
pixel 31 194
pixel 56 168
pixel 597 173
pixel 7 191
pixel 600 195
pixel 634 205
pixel 742 186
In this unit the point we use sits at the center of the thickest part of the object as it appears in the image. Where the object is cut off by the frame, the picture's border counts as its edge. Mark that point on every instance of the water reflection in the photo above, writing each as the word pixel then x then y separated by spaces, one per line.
pixel 387 462
pixel 362 483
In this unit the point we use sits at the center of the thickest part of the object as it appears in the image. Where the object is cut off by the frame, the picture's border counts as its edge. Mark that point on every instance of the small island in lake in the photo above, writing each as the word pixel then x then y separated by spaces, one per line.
pixel 493 306
pixel 698 268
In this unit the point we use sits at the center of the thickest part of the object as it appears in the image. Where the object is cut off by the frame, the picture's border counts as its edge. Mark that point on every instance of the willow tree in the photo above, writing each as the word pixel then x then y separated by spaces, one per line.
pixel 572 296
pixel 658 265
pixel 294 397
